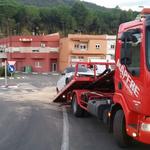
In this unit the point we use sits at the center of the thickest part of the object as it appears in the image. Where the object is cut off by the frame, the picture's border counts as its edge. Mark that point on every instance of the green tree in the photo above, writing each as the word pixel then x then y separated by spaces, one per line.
pixel 8 9
pixel 80 14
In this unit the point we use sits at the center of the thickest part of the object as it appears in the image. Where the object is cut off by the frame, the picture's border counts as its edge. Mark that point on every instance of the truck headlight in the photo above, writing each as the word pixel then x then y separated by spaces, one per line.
pixel 145 127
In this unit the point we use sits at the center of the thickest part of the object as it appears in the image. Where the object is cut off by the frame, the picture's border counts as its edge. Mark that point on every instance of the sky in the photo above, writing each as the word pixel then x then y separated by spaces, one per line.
pixel 123 4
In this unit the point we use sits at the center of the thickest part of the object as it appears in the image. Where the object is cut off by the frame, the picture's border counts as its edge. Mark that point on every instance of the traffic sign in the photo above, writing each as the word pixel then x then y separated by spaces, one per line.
pixel 11 68
pixel 11 62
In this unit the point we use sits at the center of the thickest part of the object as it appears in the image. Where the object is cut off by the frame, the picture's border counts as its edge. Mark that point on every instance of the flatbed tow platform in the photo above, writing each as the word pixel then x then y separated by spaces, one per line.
pixel 101 83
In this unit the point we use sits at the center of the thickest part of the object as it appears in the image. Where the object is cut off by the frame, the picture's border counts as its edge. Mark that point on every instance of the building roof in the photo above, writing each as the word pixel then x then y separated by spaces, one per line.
pixel 30 38
pixel 85 37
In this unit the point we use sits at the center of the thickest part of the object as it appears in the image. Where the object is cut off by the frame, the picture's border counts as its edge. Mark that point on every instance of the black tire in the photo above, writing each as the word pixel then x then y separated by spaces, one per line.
pixel 119 129
pixel 76 109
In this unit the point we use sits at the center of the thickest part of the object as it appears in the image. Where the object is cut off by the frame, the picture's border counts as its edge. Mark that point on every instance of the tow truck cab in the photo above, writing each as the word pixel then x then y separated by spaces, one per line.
pixel 132 76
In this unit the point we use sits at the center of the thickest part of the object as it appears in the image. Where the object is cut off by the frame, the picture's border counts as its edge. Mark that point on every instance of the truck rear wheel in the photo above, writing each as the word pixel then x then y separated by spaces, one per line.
pixel 77 110
pixel 119 129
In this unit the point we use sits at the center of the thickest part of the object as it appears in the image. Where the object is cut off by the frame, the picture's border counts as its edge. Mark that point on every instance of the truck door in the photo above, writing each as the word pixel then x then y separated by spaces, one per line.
pixel 130 68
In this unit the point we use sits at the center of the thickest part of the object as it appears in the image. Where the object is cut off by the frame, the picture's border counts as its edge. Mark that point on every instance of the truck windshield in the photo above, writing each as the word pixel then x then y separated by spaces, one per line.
pixel 148 47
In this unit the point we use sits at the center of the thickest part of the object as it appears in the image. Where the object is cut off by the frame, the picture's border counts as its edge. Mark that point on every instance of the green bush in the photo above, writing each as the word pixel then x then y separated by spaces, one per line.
pixel 2 72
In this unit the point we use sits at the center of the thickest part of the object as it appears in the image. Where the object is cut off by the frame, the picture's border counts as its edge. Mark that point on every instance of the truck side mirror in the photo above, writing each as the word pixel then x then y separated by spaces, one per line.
pixel 128 36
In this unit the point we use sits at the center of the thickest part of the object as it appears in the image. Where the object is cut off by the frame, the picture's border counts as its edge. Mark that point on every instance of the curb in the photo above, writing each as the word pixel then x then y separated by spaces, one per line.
pixel 12 78
pixel 8 86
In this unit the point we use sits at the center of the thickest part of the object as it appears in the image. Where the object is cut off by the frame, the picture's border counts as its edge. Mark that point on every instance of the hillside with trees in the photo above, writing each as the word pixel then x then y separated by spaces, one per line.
pixel 26 17
pixel 43 3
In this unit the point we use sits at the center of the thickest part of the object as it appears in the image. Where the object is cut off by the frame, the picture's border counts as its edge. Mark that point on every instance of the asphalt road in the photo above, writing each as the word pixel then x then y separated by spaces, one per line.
pixel 30 121
pixel 29 126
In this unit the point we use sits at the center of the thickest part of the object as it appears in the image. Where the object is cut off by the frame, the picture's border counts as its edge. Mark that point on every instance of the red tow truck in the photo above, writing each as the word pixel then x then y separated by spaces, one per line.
pixel 119 97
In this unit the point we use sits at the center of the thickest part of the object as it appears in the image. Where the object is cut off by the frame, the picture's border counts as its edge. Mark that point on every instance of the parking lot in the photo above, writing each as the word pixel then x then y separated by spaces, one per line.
pixel 29 87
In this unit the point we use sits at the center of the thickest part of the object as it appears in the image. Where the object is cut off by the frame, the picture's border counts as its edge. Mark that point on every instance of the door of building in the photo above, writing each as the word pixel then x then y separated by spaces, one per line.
pixel 19 66
pixel 53 65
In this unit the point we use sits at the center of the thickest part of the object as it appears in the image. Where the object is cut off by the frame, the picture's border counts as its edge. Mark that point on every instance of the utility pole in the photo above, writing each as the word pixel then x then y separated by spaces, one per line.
pixel 6 83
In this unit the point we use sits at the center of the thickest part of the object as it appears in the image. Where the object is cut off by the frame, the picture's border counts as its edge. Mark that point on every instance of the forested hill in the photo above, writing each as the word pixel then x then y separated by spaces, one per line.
pixel 46 2
pixel 24 17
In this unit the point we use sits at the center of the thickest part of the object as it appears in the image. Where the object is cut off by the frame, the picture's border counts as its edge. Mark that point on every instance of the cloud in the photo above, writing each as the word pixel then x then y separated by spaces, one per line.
pixel 123 4
pixel 135 3
pixel 131 4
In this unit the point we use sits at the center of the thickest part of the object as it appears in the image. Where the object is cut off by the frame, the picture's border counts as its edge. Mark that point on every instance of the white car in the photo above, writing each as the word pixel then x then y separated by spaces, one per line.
pixel 68 74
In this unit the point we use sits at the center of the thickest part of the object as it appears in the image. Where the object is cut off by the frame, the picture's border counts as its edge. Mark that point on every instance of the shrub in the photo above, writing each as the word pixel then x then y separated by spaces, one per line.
pixel 2 72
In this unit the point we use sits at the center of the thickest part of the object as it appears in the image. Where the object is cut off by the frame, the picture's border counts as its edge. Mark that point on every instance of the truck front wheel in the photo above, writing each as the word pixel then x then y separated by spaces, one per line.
pixel 77 110
pixel 119 129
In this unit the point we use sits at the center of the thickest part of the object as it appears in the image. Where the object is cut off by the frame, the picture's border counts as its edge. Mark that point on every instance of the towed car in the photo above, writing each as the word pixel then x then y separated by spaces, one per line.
pixel 69 73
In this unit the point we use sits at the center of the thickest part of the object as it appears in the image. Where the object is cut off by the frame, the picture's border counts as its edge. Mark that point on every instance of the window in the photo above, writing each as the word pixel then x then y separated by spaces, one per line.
pixel 2 51
pixel 73 57
pixel 72 69
pixel 102 57
pixel 2 48
pixel 81 57
pixel 97 46
pixel 112 57
pixel 112 46
pixel 38 64
pixel 77 58
pixel 131 51
pixel 35 51
pixel 80 46
pixel 83 46
pixel 148 47
pixel 76 46
pixel 43 45
pixel 135 47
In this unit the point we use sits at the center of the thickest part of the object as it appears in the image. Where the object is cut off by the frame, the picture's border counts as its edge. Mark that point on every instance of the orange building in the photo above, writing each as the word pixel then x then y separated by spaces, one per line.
pixel 78 47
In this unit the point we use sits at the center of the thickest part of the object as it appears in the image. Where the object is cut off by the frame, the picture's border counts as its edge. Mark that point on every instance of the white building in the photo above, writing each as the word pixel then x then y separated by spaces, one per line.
pixel 111 45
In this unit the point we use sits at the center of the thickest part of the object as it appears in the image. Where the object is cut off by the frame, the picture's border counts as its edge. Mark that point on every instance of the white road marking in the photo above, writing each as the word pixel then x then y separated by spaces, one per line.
pixel 65 138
